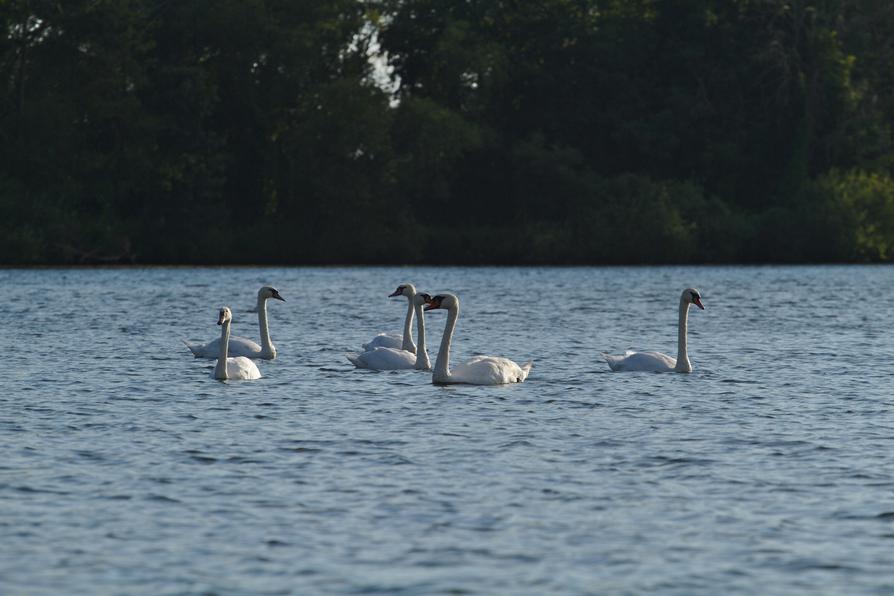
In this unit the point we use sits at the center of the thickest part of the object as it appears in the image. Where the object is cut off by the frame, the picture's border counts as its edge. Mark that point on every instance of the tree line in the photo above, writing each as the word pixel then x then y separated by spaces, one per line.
pixel 446 131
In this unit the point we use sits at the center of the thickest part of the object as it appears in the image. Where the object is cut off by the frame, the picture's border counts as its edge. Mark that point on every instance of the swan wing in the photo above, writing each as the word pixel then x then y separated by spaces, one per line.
pixel 490 370
pixel 238 346
pixel 242 368
pixel 641 361
pixel 383 359
pixel 385 340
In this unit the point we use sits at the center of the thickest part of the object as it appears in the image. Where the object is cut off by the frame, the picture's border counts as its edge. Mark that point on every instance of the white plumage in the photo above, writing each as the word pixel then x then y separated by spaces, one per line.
pixel 395 340
pixel 387 358
pixel 241 346
pixel 226 367
pixel 384 340
pixel 656 361
pixel 383 359
pixel 480 370
pixel 641 361
pixel 490 370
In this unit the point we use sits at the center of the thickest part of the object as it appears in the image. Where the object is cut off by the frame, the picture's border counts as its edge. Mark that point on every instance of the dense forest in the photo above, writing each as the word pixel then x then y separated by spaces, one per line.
pixel 446 131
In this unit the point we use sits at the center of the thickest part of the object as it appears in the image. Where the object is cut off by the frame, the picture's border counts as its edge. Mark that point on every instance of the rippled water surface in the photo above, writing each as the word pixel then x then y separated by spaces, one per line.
pixel 770 469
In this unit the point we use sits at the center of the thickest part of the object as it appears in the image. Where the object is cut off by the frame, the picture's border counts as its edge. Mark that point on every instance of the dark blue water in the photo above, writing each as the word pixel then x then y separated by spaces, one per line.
pixel 770 469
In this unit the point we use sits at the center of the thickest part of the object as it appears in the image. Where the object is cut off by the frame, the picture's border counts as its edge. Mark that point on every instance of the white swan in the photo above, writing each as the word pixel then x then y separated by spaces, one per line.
pixel 240 346
pixel 239 367
pixel 392 358
pixel 480 370
pixel 393 340
pixel 656 361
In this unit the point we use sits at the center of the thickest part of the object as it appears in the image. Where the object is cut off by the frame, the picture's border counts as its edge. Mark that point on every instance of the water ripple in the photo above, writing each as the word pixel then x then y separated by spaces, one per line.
pixel 126 469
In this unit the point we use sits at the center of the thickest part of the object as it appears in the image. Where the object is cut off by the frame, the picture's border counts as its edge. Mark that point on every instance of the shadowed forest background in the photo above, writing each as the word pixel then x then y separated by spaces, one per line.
pixel 446 131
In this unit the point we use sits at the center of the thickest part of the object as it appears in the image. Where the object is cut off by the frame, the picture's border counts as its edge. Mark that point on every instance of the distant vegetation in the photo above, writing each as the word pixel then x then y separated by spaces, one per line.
pixel 463 131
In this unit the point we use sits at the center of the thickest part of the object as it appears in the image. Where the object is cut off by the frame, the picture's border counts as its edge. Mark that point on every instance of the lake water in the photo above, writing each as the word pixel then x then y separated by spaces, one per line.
pixel 770 469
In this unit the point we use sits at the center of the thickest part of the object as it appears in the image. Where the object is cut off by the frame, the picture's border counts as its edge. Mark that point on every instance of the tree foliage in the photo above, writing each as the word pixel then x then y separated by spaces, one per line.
pixel 561 131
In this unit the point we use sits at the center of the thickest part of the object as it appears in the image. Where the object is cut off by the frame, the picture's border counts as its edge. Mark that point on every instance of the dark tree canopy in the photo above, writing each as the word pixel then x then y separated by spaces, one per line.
pixel 472 131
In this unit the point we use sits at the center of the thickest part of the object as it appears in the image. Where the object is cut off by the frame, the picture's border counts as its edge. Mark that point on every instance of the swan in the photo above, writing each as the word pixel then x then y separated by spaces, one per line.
pixel 393 340
pixel 239 367
pixel 240 346
pixel 656 361
pixel 480 370
pixel 380 358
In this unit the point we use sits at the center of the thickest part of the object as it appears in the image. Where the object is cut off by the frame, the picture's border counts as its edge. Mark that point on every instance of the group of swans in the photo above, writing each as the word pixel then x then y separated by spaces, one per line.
pixel 234 353
pixel 382 352
pixel 393 340
pixel 493 370
pixel 395 352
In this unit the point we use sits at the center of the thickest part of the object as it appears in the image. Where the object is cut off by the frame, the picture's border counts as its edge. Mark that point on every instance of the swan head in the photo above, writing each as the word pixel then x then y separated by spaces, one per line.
pixel 408 290
pixel 692 296
pixel 225 316
pixel 269 292
pixel 421 299
pixel 446 301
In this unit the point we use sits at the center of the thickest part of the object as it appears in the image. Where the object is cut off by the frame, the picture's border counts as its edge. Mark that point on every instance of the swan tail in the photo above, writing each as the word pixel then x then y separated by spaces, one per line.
pixel 526 369
pixel 614 362
pixel 354 358
pixel 192 348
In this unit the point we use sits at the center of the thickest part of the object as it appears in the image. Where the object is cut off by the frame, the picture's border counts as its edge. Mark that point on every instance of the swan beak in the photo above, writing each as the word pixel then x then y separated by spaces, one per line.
pixel 698 303
pixel 429 306
pixel 277 296
pixel 396 292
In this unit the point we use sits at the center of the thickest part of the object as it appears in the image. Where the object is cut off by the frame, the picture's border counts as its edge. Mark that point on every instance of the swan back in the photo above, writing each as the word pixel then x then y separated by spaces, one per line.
pixel 383 359
pixel 384 340
pixel 239 369
pixel 490 370
pixel 239 346
pixel 640 361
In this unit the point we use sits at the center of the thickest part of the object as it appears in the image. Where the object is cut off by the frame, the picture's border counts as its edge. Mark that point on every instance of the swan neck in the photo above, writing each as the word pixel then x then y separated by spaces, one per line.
pixel 267 349
pixel 683 364
pixel 408 344
pixel 220 369
pixel 442 365
pixel 422 361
